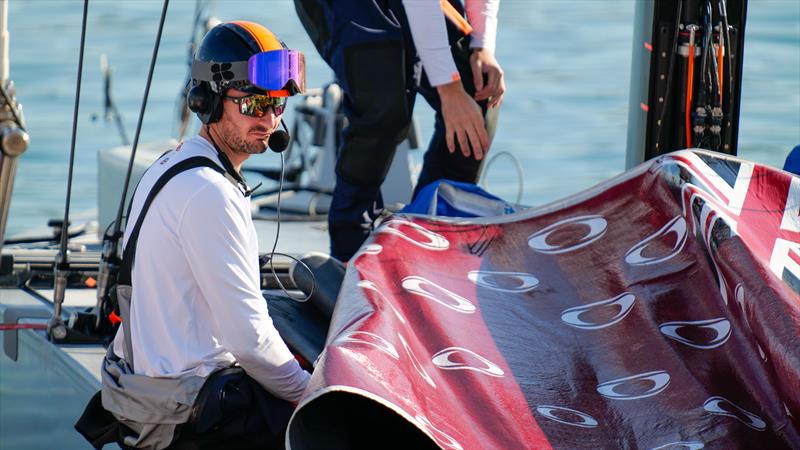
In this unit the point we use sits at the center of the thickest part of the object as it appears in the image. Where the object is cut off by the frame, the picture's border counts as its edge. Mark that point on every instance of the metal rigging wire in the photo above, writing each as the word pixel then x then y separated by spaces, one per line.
pixel 117 224
pixel 56 328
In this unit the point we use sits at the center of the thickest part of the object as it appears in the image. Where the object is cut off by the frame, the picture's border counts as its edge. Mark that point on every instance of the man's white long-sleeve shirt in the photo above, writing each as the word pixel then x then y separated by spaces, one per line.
pixel 197 302
pixel 427 24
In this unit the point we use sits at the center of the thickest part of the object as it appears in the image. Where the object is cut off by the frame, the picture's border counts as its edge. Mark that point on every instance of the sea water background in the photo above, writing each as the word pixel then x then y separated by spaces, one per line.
pixel 567 65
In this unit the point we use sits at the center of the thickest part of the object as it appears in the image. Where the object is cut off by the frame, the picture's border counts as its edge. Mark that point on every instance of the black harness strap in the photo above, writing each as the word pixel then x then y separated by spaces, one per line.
pixel 129 253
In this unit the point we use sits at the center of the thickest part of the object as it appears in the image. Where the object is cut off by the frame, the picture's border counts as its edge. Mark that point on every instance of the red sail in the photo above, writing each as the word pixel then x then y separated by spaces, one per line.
pixel 660 309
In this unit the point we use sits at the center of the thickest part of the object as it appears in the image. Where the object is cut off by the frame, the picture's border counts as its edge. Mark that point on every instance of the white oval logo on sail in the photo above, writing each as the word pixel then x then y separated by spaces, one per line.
pixel 512 282
pixel 675 226
pixel 424 238
pixel 725 407
pixel 624 302
pixel 721 328
pixel 738 292
pixel 682 445
pixel 422 287
pixel 739 295
pixel 596 228
pixel 761 352
pixel 439 435
pixel 567 416
pixel 460 358
pixel 369 339
pixel 659 380
pixel 366 284
pixel 417 365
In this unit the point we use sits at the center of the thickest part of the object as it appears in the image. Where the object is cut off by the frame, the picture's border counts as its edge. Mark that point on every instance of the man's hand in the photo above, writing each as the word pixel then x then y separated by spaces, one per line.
pixel 463 121
pixel 483 62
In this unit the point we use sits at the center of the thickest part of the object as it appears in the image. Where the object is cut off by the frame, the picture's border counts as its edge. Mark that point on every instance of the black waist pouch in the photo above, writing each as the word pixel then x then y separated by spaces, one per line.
pixel 233 409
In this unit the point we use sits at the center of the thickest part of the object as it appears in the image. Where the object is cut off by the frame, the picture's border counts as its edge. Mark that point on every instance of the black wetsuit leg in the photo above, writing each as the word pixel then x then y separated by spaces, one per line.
pixel 439 162
pixel 369 47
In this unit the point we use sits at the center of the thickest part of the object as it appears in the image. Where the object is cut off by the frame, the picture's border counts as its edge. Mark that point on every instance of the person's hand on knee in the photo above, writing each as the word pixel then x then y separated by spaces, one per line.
pixel 463 121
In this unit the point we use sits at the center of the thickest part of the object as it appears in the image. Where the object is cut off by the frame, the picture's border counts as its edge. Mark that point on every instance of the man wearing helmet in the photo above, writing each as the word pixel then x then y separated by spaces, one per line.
pixel 195 313
pixel 383 53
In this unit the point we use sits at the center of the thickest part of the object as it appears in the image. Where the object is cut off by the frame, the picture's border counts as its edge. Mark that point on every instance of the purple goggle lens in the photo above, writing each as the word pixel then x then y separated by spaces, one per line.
pixel 278 70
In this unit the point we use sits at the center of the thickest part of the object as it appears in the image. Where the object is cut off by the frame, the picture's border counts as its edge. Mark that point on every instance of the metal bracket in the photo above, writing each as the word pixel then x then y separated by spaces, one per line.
pixel 13 315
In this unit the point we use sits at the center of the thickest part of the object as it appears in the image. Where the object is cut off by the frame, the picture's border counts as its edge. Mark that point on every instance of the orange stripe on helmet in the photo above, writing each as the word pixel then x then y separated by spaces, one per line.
pixel 265 38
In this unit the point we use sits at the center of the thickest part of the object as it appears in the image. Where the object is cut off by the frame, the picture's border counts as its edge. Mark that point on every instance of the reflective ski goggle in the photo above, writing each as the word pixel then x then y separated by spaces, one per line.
pixel 278 70
pixel 259 105
pixel 274 70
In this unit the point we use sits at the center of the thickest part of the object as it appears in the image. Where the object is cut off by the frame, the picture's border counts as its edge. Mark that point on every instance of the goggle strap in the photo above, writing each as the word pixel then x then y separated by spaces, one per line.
pixel 223 72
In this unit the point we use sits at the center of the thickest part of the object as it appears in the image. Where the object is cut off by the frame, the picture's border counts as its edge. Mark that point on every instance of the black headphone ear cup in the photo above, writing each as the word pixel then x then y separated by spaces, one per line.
pixel 205 103
pixel 197 99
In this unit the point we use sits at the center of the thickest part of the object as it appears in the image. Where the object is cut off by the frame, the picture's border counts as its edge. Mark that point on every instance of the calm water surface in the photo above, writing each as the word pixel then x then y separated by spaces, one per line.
pixel 567 64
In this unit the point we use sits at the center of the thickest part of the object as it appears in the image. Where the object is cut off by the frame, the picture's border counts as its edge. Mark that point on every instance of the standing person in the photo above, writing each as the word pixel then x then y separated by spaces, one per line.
pixel 197 316
pixel 375 50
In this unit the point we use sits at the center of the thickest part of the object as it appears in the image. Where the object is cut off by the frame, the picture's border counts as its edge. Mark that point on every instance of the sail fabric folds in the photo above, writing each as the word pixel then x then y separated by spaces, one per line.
pixel 660 309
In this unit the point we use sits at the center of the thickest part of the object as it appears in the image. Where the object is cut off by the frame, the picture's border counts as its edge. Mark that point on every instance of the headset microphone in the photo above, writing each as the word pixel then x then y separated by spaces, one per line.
pixel 279 139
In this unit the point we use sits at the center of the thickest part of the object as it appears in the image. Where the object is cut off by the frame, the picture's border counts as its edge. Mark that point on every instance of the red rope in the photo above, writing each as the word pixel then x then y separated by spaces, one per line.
pixel 22 326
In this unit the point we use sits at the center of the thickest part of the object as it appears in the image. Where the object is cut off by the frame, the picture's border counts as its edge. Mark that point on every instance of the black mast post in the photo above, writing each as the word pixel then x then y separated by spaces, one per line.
pixel 659 76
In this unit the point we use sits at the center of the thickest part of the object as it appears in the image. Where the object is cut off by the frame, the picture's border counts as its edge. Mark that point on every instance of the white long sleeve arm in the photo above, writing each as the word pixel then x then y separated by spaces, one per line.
pixel 426 21
pixel 427 24
pixel 216 234
pixel 482 15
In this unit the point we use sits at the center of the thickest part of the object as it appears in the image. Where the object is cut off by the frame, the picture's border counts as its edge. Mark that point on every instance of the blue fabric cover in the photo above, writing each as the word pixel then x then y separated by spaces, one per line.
pixel 457 199
pixel 793 161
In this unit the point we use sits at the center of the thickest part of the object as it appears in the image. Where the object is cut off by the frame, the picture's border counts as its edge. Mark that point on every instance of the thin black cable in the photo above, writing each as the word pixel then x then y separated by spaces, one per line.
pixel 706 50
pixel 229 169
pixel 705 94
pixel 716 89
pixel 118 221
pixel 275 245
pixel 716 120
pixel 724 13
pixel 670 70
pixel 65 224
pixel 35 239
pixel 704 57
pixel 183 109
pixel 517 165
pixel 7 99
